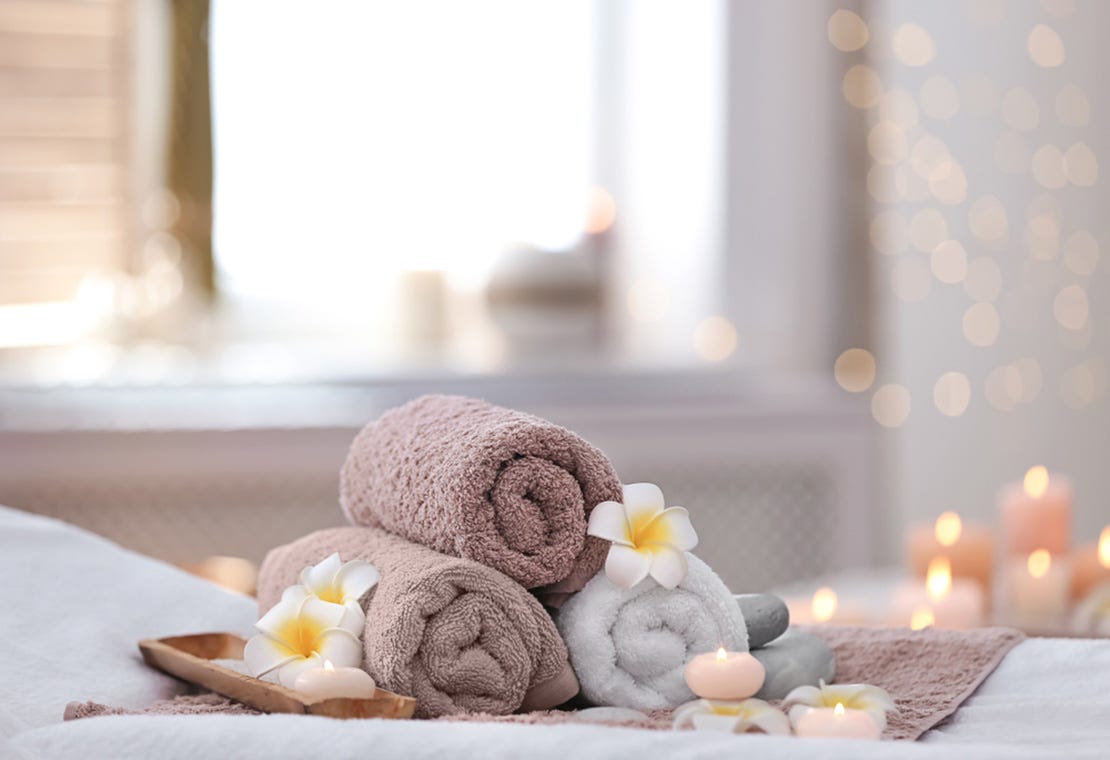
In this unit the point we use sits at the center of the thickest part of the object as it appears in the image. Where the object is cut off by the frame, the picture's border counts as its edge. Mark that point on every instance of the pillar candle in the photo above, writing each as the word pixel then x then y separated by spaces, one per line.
pixel 941 601
pixel 1036 514
pixel 968 548
pixel 1091 566
pixel 1037 590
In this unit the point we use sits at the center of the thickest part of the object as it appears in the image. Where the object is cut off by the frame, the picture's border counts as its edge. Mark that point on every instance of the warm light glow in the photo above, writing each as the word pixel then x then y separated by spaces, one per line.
pixel 824 604
pixel 890 406
pixel 1045 46
pixel 1039 562
pixel 952 394
pixel 913 45
pixel 839 710
pixel 328 666
pixel 722 655
pixel 948 528
pixel 1071 307
pixel 1036 481
pixel 854 370
pixel 847 31
pixel 938 579
pixel 715 339
pixel 981 324
pixel 602 210
pixel 1104 547
pixel 922 618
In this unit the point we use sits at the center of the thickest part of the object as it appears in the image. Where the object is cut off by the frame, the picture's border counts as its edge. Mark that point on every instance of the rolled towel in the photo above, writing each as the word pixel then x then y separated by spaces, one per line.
pixel 629 648
pixel 457 635
pixel 474 480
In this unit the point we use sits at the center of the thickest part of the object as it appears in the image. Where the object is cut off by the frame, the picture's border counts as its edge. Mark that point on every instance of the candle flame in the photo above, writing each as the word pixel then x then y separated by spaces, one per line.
pixel 1036 481
pixel 1039 563
pixel 722 655
pixel 922 618
pixel 1104 547
pixel 839 709
pixel 824 604
pixel 328 666
pixel 938 579
pixel 948 528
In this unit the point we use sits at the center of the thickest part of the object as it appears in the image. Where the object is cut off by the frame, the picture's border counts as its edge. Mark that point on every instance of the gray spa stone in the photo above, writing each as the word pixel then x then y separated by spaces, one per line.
pixel 609 715
pixel 795 659
pixel 766 616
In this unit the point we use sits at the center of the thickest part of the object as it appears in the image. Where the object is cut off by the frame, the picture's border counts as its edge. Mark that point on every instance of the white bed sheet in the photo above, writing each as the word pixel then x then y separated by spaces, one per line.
pixel 72 606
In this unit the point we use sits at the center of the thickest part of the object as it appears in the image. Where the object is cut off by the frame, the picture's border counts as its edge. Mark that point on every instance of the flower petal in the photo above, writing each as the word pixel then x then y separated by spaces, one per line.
pixel 642 501
pixel 322 614
pixel 295 594
pixel 672 527
pixel 625 566
pixel 320 575
pixel 668 566
pixel 714 722
pixel 354 619
pixel 341 647
pixel 278 617
pixel 764 716
pixel 356 578
pixel 262 654
pixel 683 713
pixel 288 673
pixel 608 520
pixel 803 695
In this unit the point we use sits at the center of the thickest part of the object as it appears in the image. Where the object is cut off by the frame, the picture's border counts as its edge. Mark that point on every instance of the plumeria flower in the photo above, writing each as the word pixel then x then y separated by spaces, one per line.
pixel 853 696
pixel 648 538
pixel 734 717
pixel 300 633
pixel 342 583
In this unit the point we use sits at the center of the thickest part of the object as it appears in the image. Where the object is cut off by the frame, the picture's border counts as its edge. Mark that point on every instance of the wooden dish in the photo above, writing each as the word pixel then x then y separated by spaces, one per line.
pixel 190 659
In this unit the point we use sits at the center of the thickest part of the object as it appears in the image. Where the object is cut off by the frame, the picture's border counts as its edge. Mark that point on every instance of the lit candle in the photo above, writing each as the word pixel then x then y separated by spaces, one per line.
pixel 837 723
pixel 330 682
pixel 825 607
pixel 1092 566
pixel 1036 514
pixel 1037 590
pixel 941 601
pixel 968 548
pixel 728 676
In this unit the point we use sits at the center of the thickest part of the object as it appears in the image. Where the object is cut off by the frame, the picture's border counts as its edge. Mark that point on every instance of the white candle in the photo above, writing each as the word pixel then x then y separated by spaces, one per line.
pixel 941 601
pixel 1037 590
pixel 836 722
pixel 825 606
pixel 330 682
pixel 723 675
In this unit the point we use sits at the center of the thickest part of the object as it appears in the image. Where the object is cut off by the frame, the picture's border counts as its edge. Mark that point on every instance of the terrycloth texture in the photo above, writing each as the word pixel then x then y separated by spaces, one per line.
pixel 458 636
pixel 928 672
pixel 500 487
pixel 629 647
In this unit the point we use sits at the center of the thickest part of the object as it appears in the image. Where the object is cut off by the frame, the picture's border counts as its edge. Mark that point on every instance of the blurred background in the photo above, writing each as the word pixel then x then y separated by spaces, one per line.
pixel 820 269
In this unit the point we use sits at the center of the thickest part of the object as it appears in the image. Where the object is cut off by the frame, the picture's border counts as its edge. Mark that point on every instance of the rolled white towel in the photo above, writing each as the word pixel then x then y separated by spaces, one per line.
pixel 629 647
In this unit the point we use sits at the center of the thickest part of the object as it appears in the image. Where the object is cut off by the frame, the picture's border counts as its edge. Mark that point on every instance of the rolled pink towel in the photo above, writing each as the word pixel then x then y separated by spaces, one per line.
pixel 479 481
pixel 459 636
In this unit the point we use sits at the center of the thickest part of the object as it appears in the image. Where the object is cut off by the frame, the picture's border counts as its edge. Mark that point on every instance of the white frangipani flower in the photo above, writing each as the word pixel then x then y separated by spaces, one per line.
pixel 872 700
pixel 734 717
pixel 300 633
pixel 342 583
pixel 648 537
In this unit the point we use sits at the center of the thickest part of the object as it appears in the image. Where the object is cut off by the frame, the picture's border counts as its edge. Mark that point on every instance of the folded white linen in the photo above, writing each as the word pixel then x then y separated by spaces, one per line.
pixel 629 647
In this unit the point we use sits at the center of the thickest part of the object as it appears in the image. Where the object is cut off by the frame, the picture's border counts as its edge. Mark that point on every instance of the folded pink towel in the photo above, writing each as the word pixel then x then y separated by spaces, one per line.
pixel 500 487
pixel 459 636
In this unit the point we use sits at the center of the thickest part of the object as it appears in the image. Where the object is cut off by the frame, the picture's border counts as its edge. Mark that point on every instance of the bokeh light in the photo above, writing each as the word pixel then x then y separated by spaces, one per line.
pixel 1045 46
pixel 890 406
pixel 886 143
pixel 715 339
pixel 952 394
pixel 1071 308
pixel 1003 387
pixel 861 86
pixel 898 107
pixel 1081 165
pixel 647 301
pixel 913 45
pixel 981 324
pixel 1081 253
pixel 948 184
pixel 854 370
pixel 949 262
pixel 847 31
pixel 928 229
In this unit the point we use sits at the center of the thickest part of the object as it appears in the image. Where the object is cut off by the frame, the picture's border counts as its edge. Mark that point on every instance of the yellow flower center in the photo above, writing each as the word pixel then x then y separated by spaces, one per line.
pixel 647 530
pixel 301 633
pixel 725 708
pixel 332 594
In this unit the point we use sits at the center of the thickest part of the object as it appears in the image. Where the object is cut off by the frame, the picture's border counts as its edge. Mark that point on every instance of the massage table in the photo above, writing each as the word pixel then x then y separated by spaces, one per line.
pixel 74 605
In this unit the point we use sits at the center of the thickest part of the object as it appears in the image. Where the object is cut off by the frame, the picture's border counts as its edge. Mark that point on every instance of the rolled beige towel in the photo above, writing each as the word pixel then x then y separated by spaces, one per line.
pixel 474 480
pixel 456 635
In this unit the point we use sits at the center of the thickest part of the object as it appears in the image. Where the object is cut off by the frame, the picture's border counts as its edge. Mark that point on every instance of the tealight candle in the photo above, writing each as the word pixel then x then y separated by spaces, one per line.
pixel 941 601
pixel 330 682
pixel 1037 589
pixel 968 548
pixel 1036 514
pixel 825 606
pixel 727 676
pixel 1091 566
pixel 836 723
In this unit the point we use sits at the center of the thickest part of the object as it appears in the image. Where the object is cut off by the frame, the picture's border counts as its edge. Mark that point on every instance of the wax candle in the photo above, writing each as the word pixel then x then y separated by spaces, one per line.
pixel 330 682
pixel 825 606
pixel 1037 590
pixel 1091 566
pixel 941 601
pixel 836 722
pixel 1036 514
pixel 723 675
pixel 968 548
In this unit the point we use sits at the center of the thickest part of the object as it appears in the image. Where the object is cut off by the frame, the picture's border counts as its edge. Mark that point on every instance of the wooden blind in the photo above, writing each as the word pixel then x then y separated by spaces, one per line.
pixel 63 146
